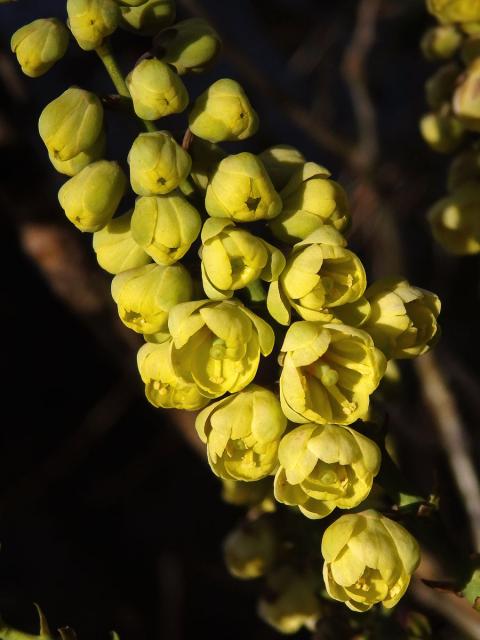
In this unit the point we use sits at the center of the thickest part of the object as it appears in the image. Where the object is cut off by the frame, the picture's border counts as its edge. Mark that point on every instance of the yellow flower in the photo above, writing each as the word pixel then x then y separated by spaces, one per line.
pixel 441 42
pixel 281 162
pixel 329 372
pixel 81 160
pixel 466 102
pixel 402 319
pixel 455 221
pixel 241 190
pixel 249 550
pixel 455 10
pixel 189 45
pixel 232 258
pixel 91 21
pixel 115 248
pixel 90 198
pixel 157 164
pixel 145 295
pixel 71 123
pixel 290 601
pixel 147 18
pixel 321 275
pixel 368 559
pixel 39 44
pixel 325 466
pixel 217 345
pixel 443 132
pixel 223 112
pixel 156 90
pixel 310 200
pixel 165 226
pixel 242 433
pixel 163 387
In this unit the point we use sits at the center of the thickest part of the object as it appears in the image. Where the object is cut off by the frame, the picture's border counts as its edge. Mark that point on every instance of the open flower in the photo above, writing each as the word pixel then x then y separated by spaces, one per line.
pixel 325 466
pixel 329 372
pixel 242 433
pixel 368 559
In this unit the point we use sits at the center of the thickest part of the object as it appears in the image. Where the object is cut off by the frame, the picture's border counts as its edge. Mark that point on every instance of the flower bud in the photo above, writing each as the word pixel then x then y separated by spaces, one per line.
pixel 310 200
pixel 156 90
pixel 443 132
pixel 454 10
pixel 165 226
pixel 290 601
pixel 441 42
pixel 323 467
pixel 145 295
pixel 217 345
pixel 90 198
pixel 115 248
pixel 157 164
pixel 403 319
pixel 249 550
pixel 232 258
pixel 321 275
pixel 205 159
pixel 189 45
pixel 91 21
pixel 466 101
pixel 248 494
pixel 81 160
pixel 163 386
pixel 240 189
pixel 463 169
pixel 368 559
pixel 281 162
pixel 147 18
pixel 39 44
pixel 71 123
pixel 440 86
pixel 329 372
pixel 242 434
pixel 455 221
pixel 223 112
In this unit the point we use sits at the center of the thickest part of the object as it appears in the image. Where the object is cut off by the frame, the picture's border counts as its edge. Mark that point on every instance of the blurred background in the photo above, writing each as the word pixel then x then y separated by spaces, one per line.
pixel 109 516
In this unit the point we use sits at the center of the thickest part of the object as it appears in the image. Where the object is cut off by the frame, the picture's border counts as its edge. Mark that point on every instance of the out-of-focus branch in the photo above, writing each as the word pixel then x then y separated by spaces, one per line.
pixel 446 416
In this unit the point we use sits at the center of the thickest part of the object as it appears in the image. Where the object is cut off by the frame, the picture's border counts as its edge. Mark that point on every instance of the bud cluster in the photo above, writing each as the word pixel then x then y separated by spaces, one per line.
pixel 228 259
pixel 453 124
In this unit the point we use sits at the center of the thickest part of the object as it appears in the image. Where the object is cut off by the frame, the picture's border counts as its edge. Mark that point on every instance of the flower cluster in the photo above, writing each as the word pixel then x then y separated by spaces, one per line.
pixel 236 271
pixel 453 124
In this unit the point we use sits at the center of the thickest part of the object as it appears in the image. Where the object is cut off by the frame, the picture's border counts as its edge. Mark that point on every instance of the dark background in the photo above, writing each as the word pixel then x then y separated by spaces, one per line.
pixel 109 519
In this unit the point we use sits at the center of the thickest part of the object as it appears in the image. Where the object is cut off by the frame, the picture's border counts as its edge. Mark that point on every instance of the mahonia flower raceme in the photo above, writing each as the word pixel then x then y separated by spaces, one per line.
pixel 189 45
pixel 157 164
pixel 39 44
pixel 240 189
pixel 145 295
pixel 320 275
pixel 91 21
pixel 281 161
pixel 232 258
pixel 242 433
pixel 91 197
pixel 325 466
pixel 165 226
pixel 290 601
pixel 147 18
pixel 156 90
pixel 71 123
pixel 310 199
pixel 223 112
pixel 328 373
pixel 368 559
pixel 249 550
pixel 455 222
pixel 217 345
pixel 115 248
pixel 402 319
pixel 163 386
